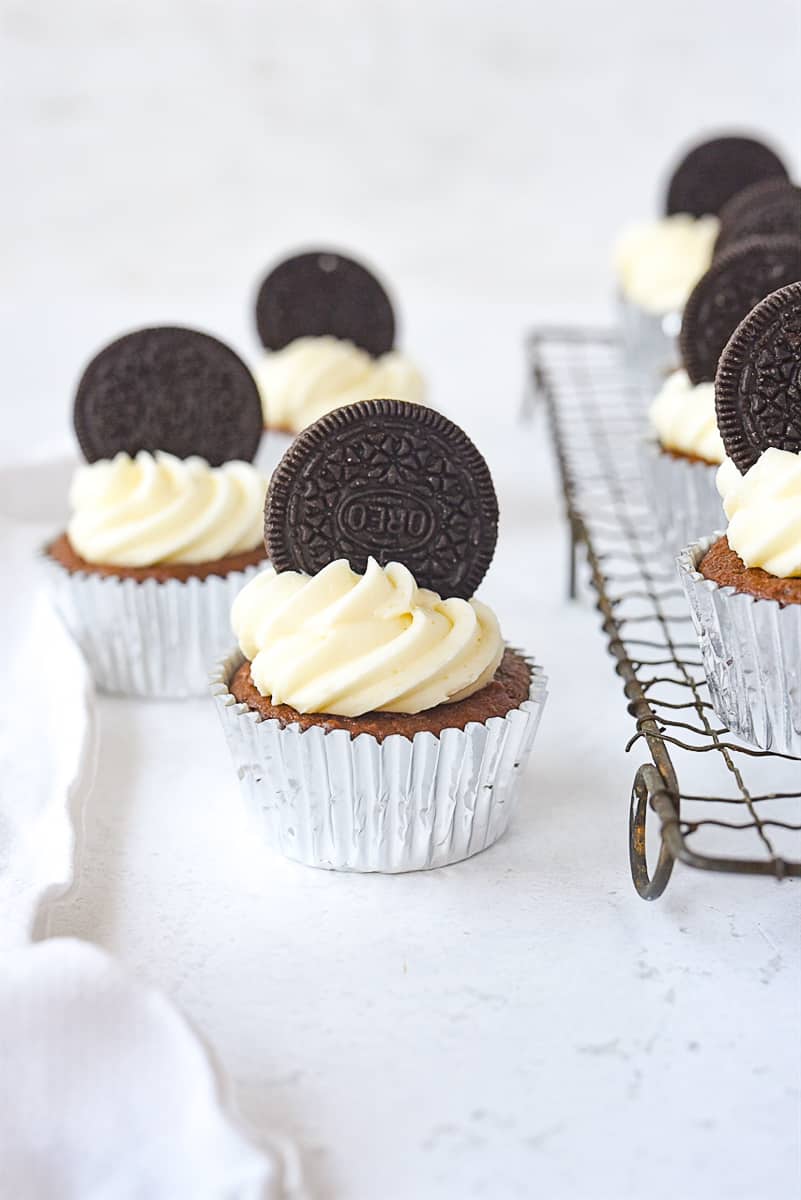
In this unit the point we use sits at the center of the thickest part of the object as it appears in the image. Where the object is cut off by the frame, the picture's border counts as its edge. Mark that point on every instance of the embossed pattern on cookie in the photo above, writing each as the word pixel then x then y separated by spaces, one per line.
pixel 388 480
pixel 758 382
pixel 732 286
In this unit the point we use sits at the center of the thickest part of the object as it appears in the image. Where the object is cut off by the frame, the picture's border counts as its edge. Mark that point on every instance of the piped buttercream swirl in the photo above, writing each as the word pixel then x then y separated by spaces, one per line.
pixel 343 643
pixel 684 419
pixel 659 264
pixel 156 508
pixel 764 511
pixel 314 375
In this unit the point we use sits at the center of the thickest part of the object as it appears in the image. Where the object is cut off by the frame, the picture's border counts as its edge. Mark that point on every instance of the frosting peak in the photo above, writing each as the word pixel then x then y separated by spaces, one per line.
pixel 659 264
pixel 314 375
pixel 347 644
pixel 156 508
pixel 764 511
pixel 684 419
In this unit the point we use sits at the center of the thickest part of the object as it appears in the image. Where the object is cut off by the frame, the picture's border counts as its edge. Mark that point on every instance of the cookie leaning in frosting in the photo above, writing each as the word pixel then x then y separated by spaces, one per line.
pixel 687 446
pixel 392 716
pixel 159 540
pixel 745 587
pixel 328 328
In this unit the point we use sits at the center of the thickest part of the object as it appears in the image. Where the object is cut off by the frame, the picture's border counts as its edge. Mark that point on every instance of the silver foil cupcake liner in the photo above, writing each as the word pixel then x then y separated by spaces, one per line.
pixel 147 638
pixel 650 344
pixel 751 650
pixel 357 804
pixel 682 495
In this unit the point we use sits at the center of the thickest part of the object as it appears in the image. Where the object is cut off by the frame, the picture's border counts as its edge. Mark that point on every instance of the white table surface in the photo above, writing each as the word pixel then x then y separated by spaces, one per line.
pixel 521 1020
pixel 521 1023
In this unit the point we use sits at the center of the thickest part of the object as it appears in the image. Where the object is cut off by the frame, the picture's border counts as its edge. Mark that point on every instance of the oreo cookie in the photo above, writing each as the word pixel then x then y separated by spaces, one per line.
pixel 169 389
pixel 735 282
pixel 711 173
pixel 319 293
pixel 758 382
pixel 385 479
pixel 771 208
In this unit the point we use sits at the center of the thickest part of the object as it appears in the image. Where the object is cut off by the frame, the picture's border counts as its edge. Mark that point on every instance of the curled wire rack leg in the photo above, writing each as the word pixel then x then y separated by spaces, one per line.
pixel 647 782
pixel 595 412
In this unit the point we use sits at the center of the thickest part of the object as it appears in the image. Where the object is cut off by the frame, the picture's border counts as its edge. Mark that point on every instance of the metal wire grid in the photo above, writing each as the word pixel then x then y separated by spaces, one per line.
pixel 721 805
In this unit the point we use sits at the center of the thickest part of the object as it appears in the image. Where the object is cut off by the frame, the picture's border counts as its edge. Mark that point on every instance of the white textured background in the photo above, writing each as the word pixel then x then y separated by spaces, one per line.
pixel 157 155
pixel 519 1025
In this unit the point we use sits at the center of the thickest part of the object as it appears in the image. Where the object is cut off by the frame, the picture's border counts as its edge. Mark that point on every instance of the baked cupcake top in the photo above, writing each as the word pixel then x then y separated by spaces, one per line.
pixel 371 607
pixel 758 398
pixel 328 328
pixel 683 414
pixel 153 411
pixel 660 262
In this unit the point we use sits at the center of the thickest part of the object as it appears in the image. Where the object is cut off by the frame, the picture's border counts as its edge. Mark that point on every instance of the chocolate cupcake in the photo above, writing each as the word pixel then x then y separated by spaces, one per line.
pixel 328 329
pixel 745 588
pixel 682 458
pixel 159 541
pixel 374 725
pixel 660 262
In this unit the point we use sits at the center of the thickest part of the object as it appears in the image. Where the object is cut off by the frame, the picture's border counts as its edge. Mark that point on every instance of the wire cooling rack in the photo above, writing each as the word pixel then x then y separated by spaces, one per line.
pixel 721 805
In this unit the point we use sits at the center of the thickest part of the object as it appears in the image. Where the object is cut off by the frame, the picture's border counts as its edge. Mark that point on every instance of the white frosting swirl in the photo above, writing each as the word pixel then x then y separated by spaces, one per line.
pixel 683 418
pixel 764 511
pixel 347 644
pixel 659 264
pixel 155 508
pixel 314 375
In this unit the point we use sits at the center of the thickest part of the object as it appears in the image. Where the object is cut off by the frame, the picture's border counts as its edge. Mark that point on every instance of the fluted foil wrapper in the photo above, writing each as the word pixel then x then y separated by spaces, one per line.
pixel 357 804
pixel 682 495
pixel 751 650
pixel 147 638
pixel 650 343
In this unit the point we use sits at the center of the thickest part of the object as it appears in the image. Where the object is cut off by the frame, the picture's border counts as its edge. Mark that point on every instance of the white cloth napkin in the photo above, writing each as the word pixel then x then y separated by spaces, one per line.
pixel 106 1094
pixel 46 738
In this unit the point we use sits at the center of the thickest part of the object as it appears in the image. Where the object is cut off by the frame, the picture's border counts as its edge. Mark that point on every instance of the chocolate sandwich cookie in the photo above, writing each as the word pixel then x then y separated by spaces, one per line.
pixel 733 285
pixel 322 293
pixel 711 173
pixel 758 383
pixel 387 480
pixel 770 208
pixel 170 389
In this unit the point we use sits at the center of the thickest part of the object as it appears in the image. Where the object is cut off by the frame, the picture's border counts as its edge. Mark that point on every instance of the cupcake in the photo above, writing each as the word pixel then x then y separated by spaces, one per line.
pixel 659 263
pixel 166 521
pixel 685 449
pixel 744 587
pixel 376 719
pixel 328 329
